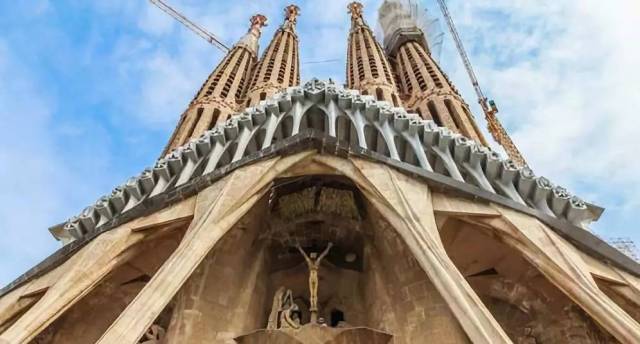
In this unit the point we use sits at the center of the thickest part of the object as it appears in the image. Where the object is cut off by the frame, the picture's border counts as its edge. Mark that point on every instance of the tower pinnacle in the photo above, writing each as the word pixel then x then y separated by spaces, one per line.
pixel 355 9
pixel 291 13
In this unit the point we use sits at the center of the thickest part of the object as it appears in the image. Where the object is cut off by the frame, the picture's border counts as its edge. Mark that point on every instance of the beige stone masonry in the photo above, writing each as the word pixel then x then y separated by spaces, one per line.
pixel 555 258
pixel 217 209
pixel 85 270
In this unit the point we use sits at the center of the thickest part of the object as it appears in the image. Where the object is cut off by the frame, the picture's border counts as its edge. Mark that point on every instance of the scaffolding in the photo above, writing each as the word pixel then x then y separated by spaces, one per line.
pixel 396 16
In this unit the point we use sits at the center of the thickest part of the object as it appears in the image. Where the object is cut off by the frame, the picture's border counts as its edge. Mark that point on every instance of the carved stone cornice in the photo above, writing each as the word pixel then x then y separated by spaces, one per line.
pixel 407 138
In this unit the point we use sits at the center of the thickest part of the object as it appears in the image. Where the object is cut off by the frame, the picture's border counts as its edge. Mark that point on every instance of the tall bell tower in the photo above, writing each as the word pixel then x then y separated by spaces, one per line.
pixel 224 90
pixel 424 88
pixel 279 66
pixel 368 69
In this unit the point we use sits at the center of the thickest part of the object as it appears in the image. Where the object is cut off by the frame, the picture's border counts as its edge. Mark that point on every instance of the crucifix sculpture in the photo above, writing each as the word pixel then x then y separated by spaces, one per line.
pixel 313 263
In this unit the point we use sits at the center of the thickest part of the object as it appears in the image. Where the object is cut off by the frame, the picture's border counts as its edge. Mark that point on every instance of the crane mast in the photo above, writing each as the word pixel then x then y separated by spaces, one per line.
pixel 200 31
pixel 489 108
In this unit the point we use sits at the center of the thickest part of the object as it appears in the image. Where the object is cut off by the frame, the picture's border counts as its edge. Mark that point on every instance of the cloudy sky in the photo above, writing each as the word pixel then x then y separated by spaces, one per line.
pixel 90 91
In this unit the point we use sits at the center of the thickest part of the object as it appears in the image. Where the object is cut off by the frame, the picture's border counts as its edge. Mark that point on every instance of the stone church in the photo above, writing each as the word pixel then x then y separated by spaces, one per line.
pixel 372 212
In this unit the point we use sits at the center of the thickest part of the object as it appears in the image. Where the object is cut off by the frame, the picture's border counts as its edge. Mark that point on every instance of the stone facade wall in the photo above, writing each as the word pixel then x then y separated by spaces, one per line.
pixel 528 307
pixel 88 319
pixel 226 294
pixel 400 298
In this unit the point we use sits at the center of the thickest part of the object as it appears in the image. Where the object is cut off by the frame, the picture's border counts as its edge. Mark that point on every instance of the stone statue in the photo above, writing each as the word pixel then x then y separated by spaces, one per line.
pixel 313 263
pixel 290 315
pixel 284 312
pixel 154 335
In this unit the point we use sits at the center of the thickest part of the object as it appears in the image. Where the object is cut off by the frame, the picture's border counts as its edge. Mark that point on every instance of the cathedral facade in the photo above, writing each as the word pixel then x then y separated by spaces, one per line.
pixel 371 212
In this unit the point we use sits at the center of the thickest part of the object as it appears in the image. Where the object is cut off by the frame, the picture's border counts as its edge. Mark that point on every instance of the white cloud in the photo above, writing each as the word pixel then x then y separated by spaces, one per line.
pixel 30 172
pixel 565 75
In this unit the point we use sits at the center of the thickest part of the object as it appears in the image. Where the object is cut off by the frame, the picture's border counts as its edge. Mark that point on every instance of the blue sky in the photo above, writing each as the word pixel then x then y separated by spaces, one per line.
pixel 91 91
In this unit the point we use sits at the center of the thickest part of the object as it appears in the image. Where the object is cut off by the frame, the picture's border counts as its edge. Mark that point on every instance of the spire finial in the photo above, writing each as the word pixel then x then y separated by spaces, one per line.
pixel 291 13
pixel 355 8
pixel 258 21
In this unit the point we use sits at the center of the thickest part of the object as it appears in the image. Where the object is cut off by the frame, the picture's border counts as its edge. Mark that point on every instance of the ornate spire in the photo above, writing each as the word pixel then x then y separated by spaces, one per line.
pixel 368 69
pixel 355 9
pixel 250 39
pixel 279 67
pixel 223 91
pixel 291 13
pixel 424 88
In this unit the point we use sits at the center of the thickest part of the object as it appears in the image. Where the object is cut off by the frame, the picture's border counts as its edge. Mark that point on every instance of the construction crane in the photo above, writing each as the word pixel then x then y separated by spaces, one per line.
pixel 489 107
pixel 200 31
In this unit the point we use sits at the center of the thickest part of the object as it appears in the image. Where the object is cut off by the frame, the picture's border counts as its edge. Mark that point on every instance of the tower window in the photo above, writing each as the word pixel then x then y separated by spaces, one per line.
pixel 336 317
pixel 263 95
pixel 379 94
pixel 434 113
pixel 214 118
pixel 453 113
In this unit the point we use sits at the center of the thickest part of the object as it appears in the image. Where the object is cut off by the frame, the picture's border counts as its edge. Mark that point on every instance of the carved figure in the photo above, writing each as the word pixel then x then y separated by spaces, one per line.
pixel 284 312
pixel 313 263
pixel 154 335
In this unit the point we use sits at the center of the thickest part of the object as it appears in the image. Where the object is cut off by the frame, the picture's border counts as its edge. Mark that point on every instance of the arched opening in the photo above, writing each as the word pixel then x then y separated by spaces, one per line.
pixel 214 119
pixel 375 141
pixel 263 95
pixel 379 94
pixel 87 319
pixel 433 111
pixel 346 131
pixel 405 151
pixel 522 300
pixel 455 115
pixel 193 126
pixel 286 128
pixel 314 118
pixel 337 316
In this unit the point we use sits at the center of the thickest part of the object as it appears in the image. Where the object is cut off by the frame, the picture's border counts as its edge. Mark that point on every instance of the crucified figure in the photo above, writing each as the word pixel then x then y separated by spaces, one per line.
pixel 313 262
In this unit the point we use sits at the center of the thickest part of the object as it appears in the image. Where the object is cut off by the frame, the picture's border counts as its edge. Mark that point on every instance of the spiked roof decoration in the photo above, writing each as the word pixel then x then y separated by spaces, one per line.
pixel 361 122
pixel 324 116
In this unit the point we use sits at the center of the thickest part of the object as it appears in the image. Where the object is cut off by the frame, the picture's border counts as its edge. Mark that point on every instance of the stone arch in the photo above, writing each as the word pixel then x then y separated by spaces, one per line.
pixel 346 130
pixel 405 150
pixel 506 282
pixel 375 141
pixel 315 118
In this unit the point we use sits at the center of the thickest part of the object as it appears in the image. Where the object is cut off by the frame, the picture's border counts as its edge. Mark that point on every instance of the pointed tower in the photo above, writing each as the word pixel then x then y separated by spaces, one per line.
pixel 279 67
pixel 223 91
pixel 367 67
pixel 424 88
